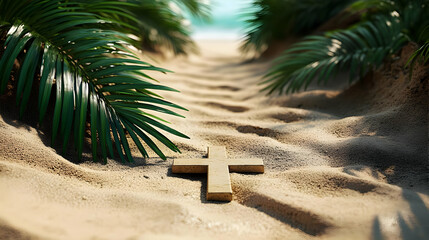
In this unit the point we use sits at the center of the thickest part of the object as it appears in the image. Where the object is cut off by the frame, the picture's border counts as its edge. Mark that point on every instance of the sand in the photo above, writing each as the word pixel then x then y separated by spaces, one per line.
pixel 342 162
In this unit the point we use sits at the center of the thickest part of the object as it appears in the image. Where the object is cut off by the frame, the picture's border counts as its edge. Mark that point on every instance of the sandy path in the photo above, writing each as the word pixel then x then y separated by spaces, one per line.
pixel 337 167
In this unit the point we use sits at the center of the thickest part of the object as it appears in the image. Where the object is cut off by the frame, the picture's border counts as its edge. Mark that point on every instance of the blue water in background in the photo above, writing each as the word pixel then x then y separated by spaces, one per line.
pixel 227 21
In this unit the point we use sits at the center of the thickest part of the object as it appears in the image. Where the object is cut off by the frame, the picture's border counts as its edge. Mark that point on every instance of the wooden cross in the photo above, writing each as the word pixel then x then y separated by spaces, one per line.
pixel 217 167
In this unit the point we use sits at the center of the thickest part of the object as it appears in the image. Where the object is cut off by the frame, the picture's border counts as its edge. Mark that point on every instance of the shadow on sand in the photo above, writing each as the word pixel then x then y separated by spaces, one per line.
pixel 415 229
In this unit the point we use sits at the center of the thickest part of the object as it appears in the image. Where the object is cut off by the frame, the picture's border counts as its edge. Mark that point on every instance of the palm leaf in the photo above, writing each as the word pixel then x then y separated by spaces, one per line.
pixel 277 19
pixel 155 24
pixel 413 14
pixel 160 26
pixel 88 67
pixel 423 51
pixel 320 57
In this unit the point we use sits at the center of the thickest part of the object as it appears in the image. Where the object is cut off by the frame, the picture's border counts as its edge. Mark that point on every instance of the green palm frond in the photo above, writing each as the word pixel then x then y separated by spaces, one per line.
pixel 277 19
pixel 413 13
pixel 158 24
pixel 423 51
pixel 164 23
pixel 93 76
pixel 320 57
pixel 379 6
pixel 198 8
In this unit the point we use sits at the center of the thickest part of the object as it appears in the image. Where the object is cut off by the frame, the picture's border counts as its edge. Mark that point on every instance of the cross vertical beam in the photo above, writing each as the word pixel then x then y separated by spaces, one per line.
pixel 218 183
pixel 216 152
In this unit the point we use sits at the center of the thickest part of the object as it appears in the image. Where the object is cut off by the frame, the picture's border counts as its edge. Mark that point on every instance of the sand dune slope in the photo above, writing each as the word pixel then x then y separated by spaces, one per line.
pixel 340 164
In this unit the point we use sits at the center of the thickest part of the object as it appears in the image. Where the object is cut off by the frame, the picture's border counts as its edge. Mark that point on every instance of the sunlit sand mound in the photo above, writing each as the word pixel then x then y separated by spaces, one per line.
pixel 342 162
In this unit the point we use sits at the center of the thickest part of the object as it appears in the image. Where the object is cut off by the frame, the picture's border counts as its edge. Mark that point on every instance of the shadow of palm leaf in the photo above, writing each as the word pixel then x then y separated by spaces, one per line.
pixel 417 228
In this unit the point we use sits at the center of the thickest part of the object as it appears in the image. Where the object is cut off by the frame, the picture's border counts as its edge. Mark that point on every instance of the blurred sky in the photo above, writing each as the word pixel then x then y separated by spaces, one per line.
pixel 227 20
